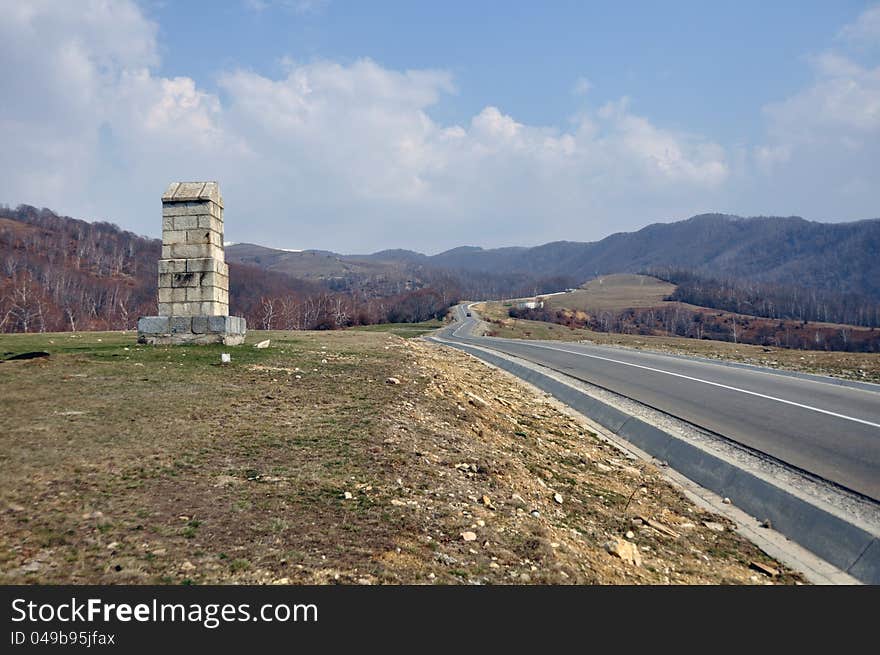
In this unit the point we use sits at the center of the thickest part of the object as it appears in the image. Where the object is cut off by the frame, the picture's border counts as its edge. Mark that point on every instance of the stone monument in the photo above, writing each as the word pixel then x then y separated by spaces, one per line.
pixel 193 274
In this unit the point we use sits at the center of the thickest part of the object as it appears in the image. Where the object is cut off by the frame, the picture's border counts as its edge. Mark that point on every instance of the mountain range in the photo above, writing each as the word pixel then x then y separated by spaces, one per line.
pixel 60 273
pixel 790 251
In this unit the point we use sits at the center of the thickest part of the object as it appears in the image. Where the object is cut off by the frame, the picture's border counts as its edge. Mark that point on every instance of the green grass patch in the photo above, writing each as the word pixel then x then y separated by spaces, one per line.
pixel 405 330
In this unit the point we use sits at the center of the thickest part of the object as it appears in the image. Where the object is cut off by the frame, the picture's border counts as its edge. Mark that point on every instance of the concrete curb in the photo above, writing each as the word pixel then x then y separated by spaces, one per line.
pixel 846 546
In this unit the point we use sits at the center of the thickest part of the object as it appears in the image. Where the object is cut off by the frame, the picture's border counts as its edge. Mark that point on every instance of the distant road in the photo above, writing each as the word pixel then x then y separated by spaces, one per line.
pixel 828 429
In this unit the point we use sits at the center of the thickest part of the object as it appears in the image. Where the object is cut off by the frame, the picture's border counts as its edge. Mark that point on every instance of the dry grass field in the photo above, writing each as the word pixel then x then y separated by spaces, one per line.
pixel 300 463
pixel 614 293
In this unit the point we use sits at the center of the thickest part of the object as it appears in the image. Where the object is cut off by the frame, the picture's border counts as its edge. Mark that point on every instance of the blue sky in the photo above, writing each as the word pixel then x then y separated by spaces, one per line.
pixel 428 125
pixel 703 66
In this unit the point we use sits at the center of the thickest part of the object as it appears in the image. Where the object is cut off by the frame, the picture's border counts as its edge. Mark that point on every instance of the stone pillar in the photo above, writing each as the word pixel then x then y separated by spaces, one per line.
pixel 193 274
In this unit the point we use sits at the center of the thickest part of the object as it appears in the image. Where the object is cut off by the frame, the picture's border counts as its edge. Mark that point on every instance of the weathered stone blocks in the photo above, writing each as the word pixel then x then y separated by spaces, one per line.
pixel 227 323
pixel 192 244
pixel 200 324
pixel 193 274
pixel 192 329
pixel 171 266
pixel 180 324
pixel 154 324
pixel 185 250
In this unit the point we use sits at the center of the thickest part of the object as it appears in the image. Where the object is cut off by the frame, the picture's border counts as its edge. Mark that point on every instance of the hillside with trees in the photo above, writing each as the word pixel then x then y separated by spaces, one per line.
pixel 648 306
pixel 393 272
pixel 62 274
pixel 791 267
pixel 787 251
pixel 768 300
pixel 59 273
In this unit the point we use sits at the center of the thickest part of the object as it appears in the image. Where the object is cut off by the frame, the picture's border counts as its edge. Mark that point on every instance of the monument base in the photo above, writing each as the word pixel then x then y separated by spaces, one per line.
pixel 174 330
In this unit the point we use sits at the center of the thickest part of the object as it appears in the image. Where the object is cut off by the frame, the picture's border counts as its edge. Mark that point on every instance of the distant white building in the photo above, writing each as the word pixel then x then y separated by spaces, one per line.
pixel 530 304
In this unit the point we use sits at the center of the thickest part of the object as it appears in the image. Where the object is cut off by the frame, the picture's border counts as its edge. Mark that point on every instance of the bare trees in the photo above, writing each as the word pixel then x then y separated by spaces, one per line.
pixel 58 273
pixel 339 309
pixel 744 296
pixel 674 319
pixel 268 313
pixel 23 307
pixel 62 274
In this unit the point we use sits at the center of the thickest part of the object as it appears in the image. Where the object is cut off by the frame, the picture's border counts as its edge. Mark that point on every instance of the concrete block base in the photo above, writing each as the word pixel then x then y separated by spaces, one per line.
pixel 174 330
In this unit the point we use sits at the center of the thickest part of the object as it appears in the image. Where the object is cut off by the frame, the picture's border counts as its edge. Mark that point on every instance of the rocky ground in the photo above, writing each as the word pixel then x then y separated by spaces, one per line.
pixel 552 503
pixel 329 457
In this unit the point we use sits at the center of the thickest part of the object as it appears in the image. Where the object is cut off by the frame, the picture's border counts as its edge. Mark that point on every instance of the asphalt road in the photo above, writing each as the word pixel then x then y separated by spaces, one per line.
pixel 828 429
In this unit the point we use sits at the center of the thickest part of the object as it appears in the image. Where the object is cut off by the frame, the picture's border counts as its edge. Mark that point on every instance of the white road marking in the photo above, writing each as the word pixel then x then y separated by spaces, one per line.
pixel 463 320
pixel 709 382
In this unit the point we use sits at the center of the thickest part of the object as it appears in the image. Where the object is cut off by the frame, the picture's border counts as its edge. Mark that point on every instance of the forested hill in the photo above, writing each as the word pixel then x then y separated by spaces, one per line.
pixel 786 251
pixel 840 257
pixel 58 274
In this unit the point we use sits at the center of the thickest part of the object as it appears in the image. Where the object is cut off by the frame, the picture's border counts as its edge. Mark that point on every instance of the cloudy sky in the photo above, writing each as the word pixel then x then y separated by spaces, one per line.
pixel 355 126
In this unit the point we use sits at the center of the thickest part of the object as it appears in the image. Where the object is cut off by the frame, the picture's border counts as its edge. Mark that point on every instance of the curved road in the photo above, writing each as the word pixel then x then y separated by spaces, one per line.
pixel 831 430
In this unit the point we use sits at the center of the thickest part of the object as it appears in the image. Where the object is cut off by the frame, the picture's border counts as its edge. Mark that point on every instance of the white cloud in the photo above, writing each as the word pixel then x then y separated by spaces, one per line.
pixel 342 156
pixel 356 143
pixel 495 128
pixel 663 156
pixel 844 100
pixel 61 65
pixel 348 156
pixel 823 143
pixel 865 30
pixel 581 86
pixel 296 6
